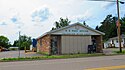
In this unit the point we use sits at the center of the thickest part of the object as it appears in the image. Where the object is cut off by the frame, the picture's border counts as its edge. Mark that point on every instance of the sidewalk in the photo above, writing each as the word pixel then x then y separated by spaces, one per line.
pixel 15 54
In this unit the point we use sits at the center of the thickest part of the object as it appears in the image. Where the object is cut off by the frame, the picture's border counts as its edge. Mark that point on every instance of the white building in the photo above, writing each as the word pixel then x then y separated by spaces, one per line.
pixel 113 42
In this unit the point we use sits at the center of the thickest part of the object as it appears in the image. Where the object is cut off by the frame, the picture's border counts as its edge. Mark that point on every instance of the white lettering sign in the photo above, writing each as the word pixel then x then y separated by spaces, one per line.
pixel 77 32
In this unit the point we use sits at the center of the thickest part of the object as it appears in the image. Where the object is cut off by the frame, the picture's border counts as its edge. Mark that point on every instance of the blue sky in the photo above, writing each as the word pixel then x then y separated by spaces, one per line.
pixel 35 17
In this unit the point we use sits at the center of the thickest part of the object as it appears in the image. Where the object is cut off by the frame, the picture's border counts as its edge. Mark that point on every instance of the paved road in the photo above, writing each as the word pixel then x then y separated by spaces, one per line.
pixel 12 54
pixel 68 64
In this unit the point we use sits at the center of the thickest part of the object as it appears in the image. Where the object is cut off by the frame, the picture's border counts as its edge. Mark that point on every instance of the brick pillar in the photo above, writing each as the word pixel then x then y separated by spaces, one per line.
pixel 44 44
pixel 99 44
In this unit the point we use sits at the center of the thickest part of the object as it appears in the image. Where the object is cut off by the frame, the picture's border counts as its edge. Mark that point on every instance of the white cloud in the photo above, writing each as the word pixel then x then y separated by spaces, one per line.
pixel 3 23
pixel 41 14
pixel 47 11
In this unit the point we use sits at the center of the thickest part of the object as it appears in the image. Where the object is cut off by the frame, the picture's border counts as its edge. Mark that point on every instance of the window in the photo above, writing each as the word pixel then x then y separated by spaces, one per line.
pixel 112 41
pixel 116 40
pixel 66 30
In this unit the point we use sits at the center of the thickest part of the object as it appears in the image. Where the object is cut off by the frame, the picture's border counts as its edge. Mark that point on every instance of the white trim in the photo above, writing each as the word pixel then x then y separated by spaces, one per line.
pixel 52 31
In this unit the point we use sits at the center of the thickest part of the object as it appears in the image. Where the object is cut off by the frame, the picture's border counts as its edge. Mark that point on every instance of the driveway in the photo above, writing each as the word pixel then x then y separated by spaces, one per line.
pixel 15 54
pixel 111 50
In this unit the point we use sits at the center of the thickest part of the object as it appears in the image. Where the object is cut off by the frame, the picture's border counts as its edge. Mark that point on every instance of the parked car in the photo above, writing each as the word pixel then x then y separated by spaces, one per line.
pixel 3 49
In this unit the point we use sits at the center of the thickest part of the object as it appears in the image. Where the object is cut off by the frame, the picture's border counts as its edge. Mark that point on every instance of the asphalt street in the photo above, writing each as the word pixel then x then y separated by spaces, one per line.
pixel 90 63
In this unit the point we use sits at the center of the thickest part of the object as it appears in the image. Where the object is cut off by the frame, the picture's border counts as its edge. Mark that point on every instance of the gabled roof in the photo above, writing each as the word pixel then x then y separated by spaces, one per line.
pixel 52 31
pixel 122 36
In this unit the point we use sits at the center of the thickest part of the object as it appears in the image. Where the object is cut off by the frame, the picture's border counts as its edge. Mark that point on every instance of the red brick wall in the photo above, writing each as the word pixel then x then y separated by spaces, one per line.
pixel 45 45
pixel 99 43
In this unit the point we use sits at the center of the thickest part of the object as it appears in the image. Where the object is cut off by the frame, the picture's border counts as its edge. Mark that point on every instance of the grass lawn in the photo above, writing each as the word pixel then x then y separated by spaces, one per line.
pixel 123 52
pixel 45 57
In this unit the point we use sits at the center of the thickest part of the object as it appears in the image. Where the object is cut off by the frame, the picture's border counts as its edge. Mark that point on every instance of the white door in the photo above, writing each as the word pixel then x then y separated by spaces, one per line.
pixel 75 44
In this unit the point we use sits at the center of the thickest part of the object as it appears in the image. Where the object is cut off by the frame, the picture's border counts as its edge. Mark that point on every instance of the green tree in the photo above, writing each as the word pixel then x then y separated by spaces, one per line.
pixel 61 23
pixel 97 27
pixel 15 43
pixel 4 42
pixel 122 21
pixel 23 42
pixel 108 27
pixel 84 23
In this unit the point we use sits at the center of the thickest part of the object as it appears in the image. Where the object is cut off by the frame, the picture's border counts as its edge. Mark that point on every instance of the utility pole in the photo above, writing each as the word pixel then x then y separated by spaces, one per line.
pixel 118 29
pixel 19 45
pixel 118 21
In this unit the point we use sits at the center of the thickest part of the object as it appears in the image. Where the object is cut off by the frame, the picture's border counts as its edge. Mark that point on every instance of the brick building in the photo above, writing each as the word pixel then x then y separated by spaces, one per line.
pixel 71 39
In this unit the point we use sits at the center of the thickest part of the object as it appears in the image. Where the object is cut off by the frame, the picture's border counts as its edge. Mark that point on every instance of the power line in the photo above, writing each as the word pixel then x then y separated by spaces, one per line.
pixel 122 2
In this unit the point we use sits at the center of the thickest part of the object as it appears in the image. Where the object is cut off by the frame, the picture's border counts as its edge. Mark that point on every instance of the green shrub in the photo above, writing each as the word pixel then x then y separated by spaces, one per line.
pixel 123 52
pixel 43 53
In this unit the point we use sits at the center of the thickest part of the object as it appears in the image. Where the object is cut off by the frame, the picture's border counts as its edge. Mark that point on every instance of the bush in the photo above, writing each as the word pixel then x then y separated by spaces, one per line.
pixel 121 52
pixel 44 53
